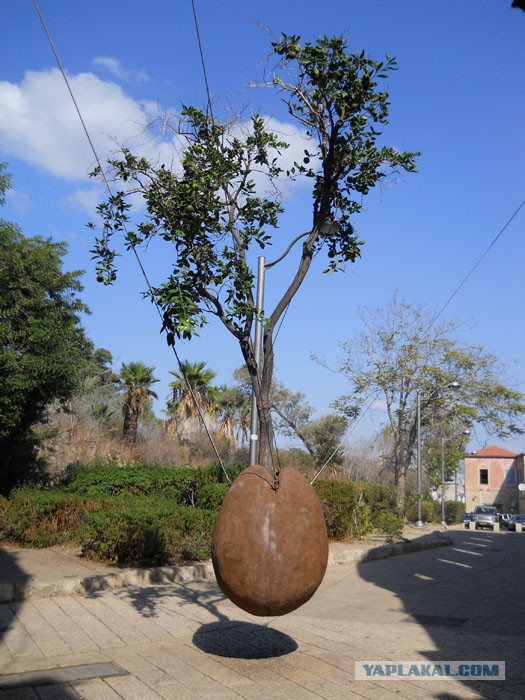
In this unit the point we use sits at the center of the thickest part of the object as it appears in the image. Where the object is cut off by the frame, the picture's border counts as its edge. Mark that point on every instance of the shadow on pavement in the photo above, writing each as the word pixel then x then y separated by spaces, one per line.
pixel 10 575
pixel 462 596
pixel 49 691
pixel 243 640
pixel 146 599
pixel 225 637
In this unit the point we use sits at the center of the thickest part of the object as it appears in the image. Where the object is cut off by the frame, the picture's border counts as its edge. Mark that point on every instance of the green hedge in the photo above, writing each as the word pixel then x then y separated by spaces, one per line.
pixel 354 510
pixel 428 513
pixel 43 518
pixel 139 531
pixel 454 512
pixel 184 484
pixel 154 515
pixel 123 530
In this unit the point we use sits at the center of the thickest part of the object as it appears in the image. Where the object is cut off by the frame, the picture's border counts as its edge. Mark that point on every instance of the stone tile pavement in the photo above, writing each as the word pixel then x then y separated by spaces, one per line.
pixel 184 640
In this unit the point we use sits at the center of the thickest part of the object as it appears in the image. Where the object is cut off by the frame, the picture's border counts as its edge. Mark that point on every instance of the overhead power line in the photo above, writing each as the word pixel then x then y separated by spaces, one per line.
pixel 476 264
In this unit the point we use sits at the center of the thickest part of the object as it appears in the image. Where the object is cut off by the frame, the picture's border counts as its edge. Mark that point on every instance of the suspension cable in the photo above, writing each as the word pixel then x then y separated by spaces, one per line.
pixel 133 247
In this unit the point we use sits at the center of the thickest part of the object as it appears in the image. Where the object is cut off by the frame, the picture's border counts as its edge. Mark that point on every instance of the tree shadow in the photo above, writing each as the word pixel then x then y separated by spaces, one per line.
pixel 464 603
pixel 224 637
pixel 49 691
pixel 12 580
pixel 204 594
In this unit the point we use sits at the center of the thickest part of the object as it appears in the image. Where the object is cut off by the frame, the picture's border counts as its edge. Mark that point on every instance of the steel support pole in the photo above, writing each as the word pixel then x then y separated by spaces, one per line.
pixel 257 351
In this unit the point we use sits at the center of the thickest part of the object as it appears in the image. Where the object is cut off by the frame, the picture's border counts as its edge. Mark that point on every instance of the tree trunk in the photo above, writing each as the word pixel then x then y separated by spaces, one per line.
pixel 263 406
pixel 401 490
pixel 130 427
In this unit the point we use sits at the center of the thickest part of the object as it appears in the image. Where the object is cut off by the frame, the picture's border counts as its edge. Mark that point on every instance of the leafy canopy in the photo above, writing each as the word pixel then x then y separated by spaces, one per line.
pixel 43 349
pixel 210 210
pixel 402 352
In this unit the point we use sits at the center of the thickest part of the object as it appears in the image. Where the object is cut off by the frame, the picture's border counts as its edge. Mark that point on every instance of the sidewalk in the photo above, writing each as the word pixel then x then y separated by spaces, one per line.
pixel 58 571
pixel 186 641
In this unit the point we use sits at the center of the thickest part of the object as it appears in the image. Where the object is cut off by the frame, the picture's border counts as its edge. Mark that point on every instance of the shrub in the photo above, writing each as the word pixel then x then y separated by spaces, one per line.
pixel 454 512
pixel 353 509
pixel 390 525
pixel 212 495
pixel 143 531
pixel 427 511
pixel 42 518
pixel 182 485
pixel 338 500
pixel 123 536
pixel 380 498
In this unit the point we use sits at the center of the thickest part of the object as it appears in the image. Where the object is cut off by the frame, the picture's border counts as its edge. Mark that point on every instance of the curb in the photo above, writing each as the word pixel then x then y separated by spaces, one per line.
pixel 194 572
pixel 385 551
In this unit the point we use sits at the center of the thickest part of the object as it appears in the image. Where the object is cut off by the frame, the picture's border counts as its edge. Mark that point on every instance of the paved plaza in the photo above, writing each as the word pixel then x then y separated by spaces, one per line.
pixel 185 640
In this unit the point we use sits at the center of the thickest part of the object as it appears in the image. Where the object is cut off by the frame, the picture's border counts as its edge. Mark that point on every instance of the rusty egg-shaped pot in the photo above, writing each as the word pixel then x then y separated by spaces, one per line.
pixel 270 547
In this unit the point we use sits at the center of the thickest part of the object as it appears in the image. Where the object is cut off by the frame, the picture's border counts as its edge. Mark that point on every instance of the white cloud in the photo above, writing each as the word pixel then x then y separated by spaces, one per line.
pixel 115 68
pixel 18 200
pixel 297 142
pixel 379 405
pixel 84 200
pixel 39 124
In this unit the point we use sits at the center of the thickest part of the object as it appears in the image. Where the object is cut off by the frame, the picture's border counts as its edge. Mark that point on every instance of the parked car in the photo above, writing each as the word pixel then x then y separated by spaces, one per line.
pixel 485 517
pixel 518 518
pixel 504 520
pixel 467 519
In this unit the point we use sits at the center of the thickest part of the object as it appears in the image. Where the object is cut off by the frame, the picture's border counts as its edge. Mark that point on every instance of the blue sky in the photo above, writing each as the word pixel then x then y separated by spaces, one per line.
pixel 458 96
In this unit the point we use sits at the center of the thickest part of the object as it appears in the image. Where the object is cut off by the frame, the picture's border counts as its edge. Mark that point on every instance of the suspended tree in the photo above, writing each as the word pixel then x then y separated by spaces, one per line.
pixel 211 213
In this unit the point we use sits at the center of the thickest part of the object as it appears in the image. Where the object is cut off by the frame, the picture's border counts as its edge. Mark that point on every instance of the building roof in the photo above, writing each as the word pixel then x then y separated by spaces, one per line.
pixel 493 451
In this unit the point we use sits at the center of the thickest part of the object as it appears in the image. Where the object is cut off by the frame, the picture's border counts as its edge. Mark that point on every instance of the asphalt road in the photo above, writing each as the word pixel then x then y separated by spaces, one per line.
pixel 456 603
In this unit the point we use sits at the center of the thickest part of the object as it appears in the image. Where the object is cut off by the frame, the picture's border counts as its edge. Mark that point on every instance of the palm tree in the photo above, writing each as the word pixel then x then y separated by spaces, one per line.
pixel 136 379
pixel 192 395
pixel 234 412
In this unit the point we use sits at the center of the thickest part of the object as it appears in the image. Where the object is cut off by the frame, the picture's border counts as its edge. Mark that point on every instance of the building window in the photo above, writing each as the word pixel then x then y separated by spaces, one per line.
pixel 483 476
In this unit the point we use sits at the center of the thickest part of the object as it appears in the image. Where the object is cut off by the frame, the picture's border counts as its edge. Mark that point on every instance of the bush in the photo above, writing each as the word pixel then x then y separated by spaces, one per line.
pixel 353 509
pixel 142 531
pixel 454 512
pixel 42 518
pixel 123 530
pixel 338 500
pixel 390 525
pixel 182 484
pixel 381 498
pixel 427 511
pixel 211 496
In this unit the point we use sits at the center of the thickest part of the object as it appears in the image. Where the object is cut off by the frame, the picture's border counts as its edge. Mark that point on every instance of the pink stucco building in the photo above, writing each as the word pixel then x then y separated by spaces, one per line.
pixel 492 477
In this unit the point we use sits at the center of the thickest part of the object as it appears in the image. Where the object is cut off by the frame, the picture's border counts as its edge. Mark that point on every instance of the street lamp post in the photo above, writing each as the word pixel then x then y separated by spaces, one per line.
pixel 443 521
pixel 328 230
pixel 418 464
